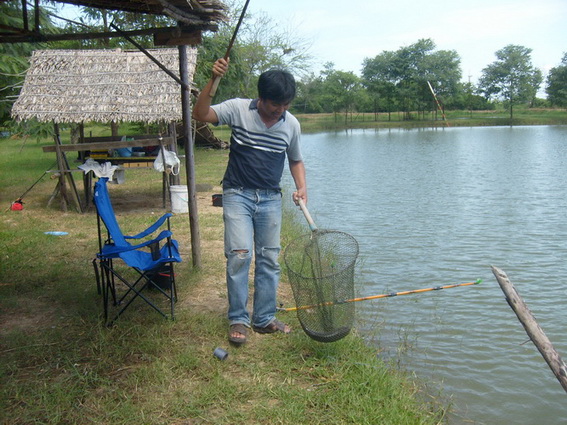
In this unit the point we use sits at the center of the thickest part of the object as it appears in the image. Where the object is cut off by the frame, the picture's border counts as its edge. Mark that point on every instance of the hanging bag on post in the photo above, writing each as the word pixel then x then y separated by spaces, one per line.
pixel 171 161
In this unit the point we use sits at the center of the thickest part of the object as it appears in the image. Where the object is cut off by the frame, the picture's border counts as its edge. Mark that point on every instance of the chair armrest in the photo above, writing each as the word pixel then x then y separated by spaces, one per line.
pixel 152 228
pixel 109 250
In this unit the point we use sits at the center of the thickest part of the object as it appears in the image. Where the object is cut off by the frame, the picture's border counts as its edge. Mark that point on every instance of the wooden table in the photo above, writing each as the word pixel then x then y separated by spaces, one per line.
pixel 126 162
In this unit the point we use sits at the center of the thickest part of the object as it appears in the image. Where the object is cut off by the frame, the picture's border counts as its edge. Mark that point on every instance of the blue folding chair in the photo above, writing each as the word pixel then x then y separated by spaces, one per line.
pixel 153 265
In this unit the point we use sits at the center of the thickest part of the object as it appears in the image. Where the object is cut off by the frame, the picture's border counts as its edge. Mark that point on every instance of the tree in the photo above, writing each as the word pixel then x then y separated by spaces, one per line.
pixel 512 77
pixel 466 97
pixel 340 88
pixel 401 76
pixel 260 45
pixel 557 84
pixel 14 57
pixel 309 95
pixel 380 80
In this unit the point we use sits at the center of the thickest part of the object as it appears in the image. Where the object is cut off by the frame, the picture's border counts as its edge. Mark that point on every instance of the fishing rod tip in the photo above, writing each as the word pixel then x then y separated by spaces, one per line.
pixel 478 281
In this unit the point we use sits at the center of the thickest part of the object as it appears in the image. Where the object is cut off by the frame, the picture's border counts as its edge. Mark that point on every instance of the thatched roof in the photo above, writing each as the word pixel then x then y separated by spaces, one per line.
pixel 66 86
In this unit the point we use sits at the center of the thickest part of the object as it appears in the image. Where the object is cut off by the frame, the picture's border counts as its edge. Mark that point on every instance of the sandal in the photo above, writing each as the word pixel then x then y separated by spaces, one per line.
pixel 274 326
pixel 238 328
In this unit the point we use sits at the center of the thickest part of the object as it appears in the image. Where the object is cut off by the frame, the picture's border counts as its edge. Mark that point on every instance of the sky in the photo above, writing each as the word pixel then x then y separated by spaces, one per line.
pixel 346 32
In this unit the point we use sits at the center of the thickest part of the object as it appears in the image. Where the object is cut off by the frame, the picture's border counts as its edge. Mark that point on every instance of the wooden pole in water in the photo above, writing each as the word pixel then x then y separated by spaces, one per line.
pixel 534 331
pixel 438 104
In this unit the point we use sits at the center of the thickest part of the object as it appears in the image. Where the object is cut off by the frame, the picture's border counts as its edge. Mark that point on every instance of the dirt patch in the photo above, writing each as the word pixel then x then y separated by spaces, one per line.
pixel 35 316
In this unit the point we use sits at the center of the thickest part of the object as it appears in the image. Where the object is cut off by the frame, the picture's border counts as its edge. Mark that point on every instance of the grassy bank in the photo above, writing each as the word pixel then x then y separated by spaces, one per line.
pixel 60 365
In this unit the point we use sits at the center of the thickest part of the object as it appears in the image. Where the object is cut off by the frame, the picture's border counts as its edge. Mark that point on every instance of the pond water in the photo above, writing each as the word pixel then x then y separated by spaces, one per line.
pixel 433 207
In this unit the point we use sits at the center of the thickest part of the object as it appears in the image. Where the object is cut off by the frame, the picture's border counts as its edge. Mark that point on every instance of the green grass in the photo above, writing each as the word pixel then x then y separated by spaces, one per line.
pixel 60 365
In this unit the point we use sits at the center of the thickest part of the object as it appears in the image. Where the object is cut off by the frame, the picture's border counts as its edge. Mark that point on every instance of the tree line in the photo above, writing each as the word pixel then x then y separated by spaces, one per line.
pixel 406 80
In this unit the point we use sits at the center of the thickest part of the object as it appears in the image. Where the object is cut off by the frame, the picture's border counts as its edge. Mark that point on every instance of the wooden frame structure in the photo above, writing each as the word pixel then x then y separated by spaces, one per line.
pixel 192 18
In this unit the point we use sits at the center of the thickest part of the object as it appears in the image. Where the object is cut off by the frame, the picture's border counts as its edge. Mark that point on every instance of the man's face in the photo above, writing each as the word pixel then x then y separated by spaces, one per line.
pixel 272 110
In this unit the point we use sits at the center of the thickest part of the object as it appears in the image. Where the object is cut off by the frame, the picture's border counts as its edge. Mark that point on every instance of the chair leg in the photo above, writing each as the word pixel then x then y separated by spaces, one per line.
pixel 98 287
pixel 108 287
pixel 134 292
pixel 173 291
pixel 108 276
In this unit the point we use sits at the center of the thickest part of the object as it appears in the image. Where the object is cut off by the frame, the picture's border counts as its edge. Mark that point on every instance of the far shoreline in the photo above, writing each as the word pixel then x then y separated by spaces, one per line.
pixel 317 123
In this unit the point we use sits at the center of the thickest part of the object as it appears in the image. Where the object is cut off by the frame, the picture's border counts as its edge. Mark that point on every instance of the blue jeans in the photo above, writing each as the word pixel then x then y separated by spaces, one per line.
pixel 252 224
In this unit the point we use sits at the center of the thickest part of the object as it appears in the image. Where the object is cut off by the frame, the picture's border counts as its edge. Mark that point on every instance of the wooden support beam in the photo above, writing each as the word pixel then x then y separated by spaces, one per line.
pixel 64 165
pixel 27 36
pixel 109 145
pixel 534 331
pixel 176 38
pixel 189 158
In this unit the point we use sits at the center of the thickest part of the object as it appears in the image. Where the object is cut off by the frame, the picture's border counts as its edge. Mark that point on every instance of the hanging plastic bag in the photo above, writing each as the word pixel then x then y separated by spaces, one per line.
pixel 100 170
pixel 171 161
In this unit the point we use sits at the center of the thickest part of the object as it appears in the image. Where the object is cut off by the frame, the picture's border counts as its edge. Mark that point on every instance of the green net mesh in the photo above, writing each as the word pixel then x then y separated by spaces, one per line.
pixel 320 268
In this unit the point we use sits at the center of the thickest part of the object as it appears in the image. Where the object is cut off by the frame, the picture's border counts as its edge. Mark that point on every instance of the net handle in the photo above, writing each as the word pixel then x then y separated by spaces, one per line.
pixel 308 217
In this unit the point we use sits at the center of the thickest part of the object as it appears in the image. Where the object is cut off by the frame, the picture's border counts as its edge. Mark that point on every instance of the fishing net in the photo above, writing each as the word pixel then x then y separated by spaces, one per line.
pixel 320 268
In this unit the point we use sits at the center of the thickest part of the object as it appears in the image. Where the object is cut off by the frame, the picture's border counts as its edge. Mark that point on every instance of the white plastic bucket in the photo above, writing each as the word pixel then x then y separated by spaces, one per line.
pixel 179 199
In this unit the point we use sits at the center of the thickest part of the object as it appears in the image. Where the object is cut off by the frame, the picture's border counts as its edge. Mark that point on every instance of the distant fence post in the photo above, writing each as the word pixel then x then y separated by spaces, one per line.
pixel 532 328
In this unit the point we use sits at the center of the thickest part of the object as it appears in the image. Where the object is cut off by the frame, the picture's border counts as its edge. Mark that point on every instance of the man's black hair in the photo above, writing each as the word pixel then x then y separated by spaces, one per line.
pixel 277 85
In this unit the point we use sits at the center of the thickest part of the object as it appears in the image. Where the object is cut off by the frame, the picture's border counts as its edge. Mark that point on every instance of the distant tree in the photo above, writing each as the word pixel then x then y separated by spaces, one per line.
pixel 512 77
pixel 557 84
pixel 380 79
pixel 442 69
pixel 467 98
pixel 340 89
pixel 309 95
pixel 401 76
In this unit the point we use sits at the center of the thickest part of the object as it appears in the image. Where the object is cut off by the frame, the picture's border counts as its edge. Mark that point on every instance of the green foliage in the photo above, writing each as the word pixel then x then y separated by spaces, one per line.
pixel 341 89
pixel 465 97
pixel 34 129
pixel 308 96
pixel 14 57
pixel 260 45
pixel 401 77
pixel 512 77
pixel 557 84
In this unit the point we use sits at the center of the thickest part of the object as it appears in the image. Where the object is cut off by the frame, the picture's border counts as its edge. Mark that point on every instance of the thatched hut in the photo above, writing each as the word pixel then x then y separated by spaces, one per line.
pixel 78 86
pixel 74 86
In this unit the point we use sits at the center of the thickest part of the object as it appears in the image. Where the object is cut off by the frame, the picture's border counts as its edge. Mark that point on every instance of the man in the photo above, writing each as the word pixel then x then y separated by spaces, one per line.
pixel 263 133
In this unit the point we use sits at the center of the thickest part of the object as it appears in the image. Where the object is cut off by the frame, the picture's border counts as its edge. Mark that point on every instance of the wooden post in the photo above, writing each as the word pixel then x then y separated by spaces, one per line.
pixel 61 186
pixel 532 328
pixel 64 170
pixel 189 157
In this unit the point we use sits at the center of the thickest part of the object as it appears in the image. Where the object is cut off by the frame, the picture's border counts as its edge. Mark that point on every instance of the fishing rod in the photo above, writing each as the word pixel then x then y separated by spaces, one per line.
pixel 229 48
pixel 438 104
pixel 373 297
pixel 20 198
